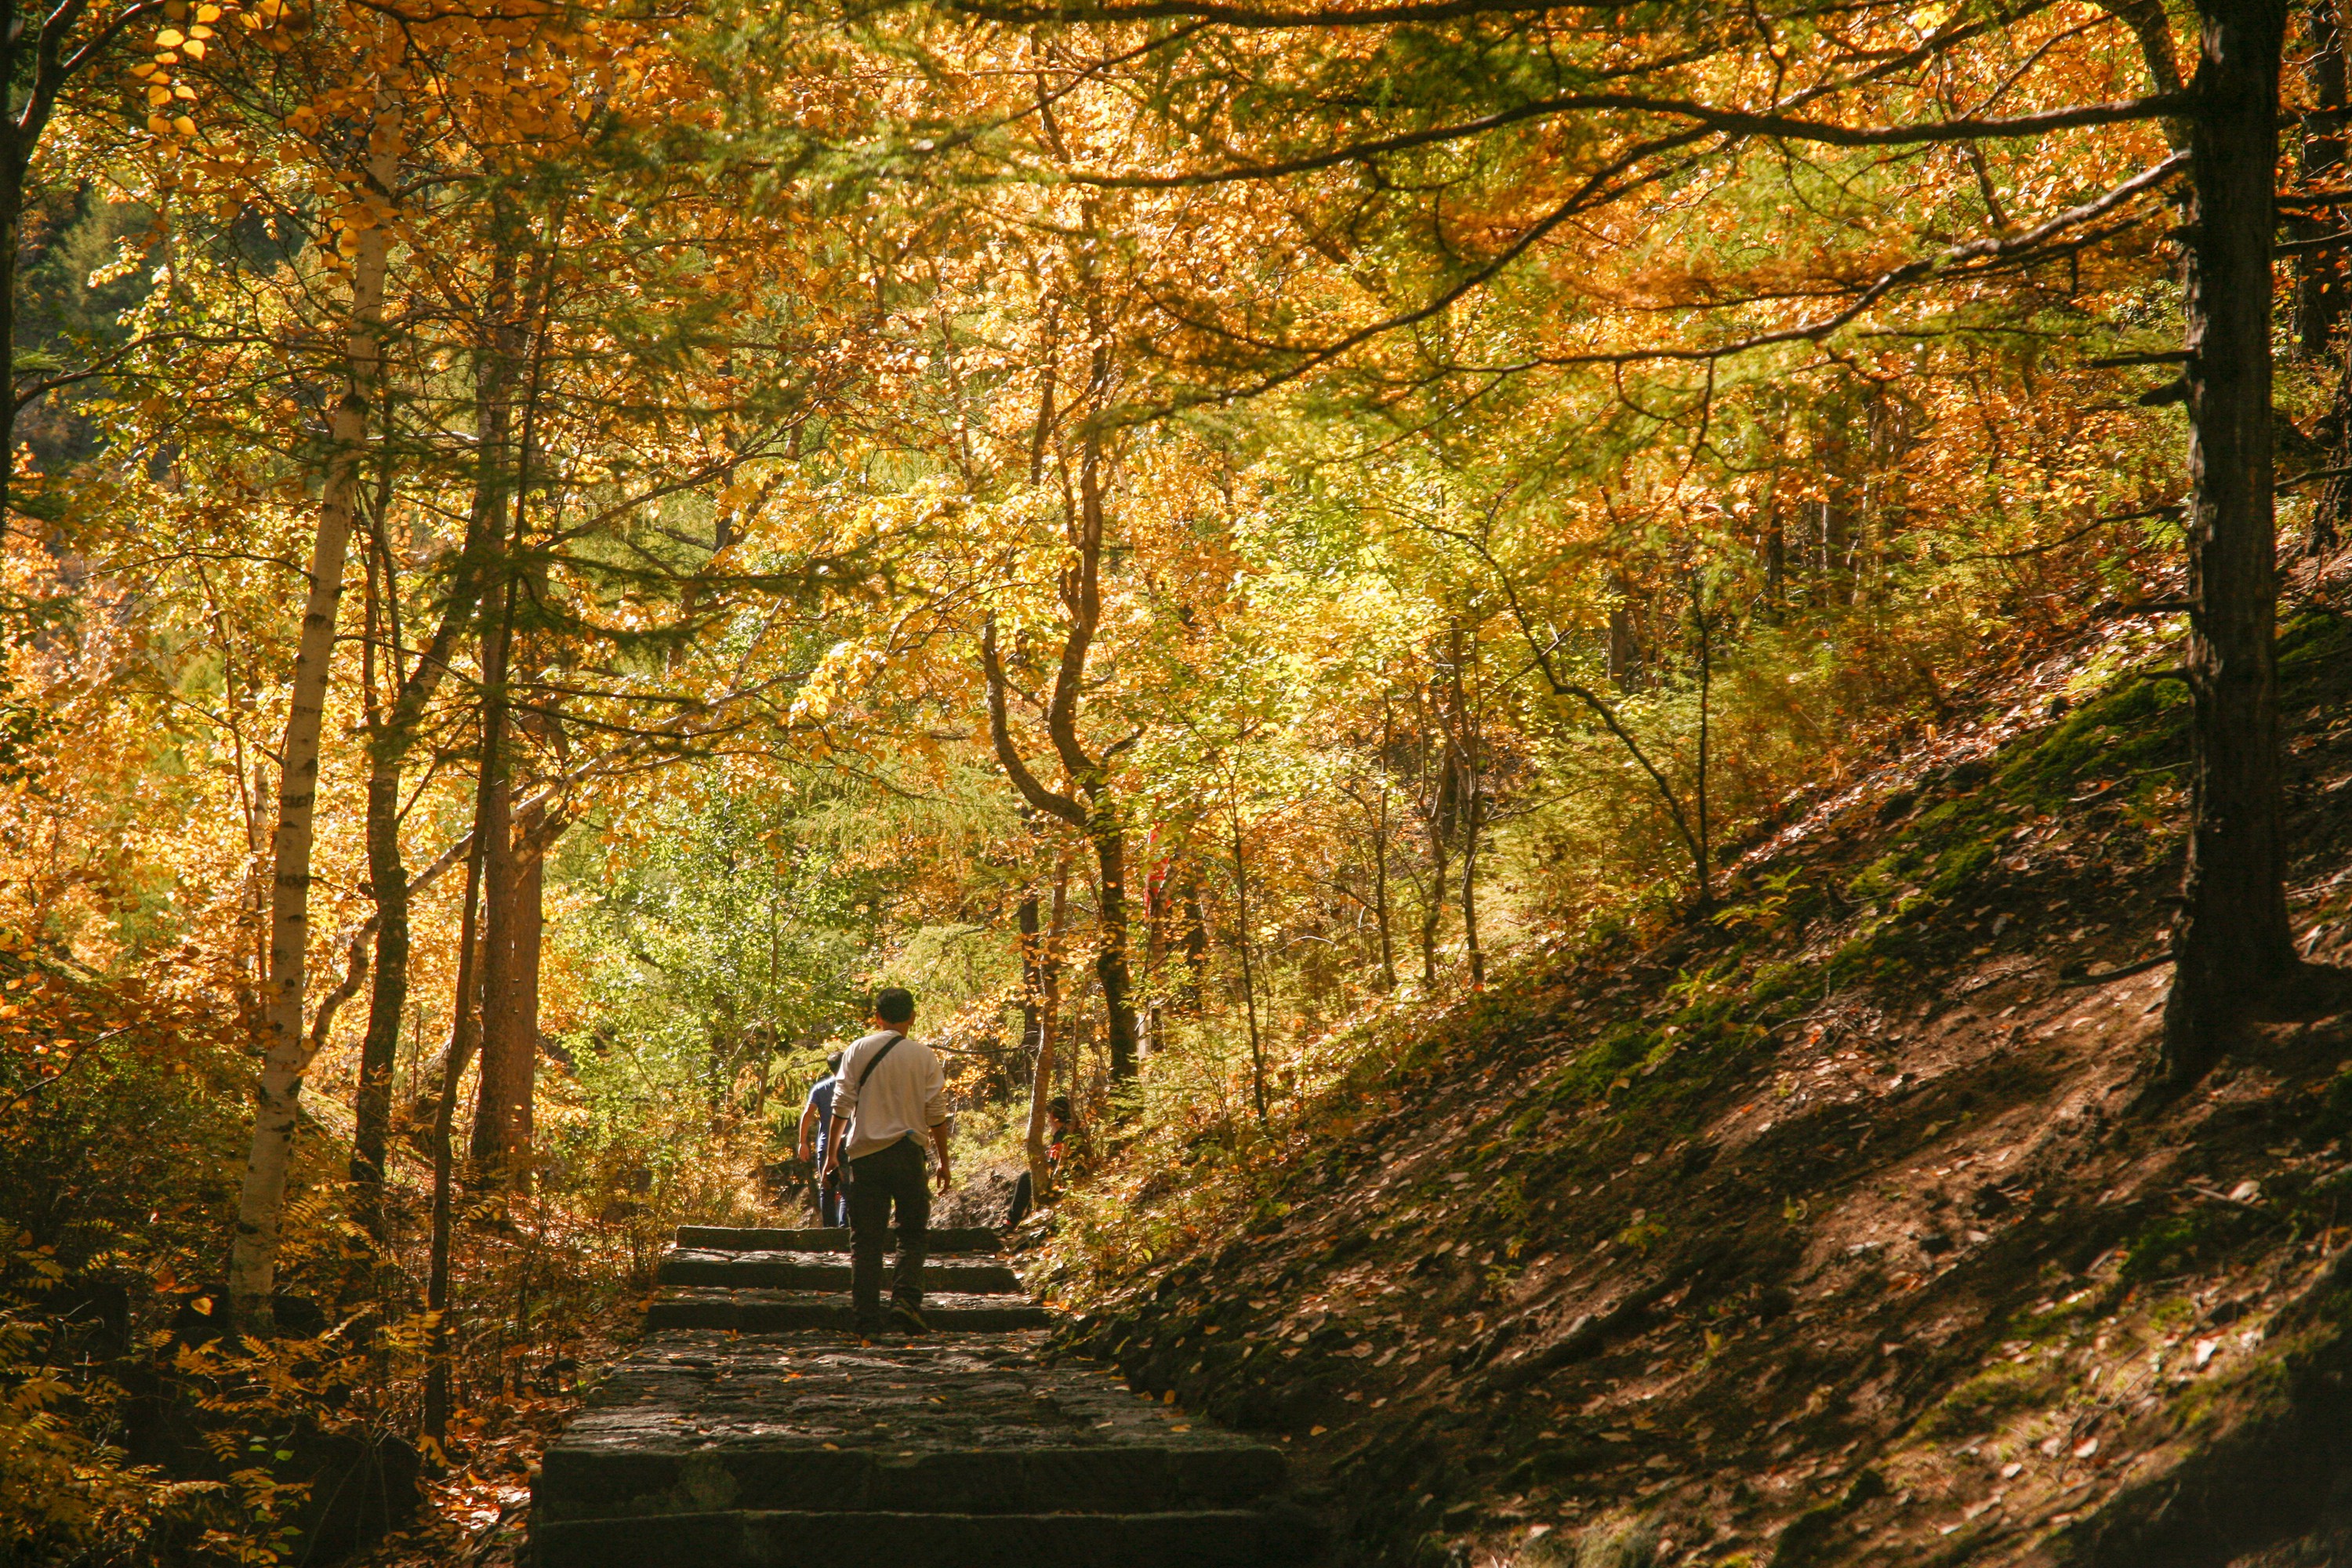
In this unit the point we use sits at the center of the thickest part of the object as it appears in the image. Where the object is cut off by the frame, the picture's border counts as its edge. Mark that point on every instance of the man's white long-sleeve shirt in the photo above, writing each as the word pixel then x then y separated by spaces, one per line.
pixel 906 1092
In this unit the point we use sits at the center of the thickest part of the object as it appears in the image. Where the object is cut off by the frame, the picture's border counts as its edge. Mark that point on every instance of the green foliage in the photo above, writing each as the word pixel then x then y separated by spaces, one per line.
pixel 728 950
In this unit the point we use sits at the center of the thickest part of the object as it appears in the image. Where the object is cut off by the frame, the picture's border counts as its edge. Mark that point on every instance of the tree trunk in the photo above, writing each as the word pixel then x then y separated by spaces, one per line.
pixel 1033 1029
pixel 1196 941
pixel 1702 850
pixel 1440 859
pixel 1624 642
pixel 371 1104
pixel 2233 948
pixel 1111 959
pixel 492 1145
pixel 388 748
pixel 1470 824
pixel 253 1249
pixel 2319 274
pixel 1381 882
pixel 1249 977
pixel 463 1015
pixel 529 931
pixel 13 159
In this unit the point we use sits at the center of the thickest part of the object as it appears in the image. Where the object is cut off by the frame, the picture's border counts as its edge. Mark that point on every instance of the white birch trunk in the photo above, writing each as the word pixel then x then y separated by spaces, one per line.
pixel 253 1249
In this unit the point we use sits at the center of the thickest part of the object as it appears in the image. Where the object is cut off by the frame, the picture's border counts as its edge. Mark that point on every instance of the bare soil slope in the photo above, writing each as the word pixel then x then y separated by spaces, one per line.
pixel 1841 1228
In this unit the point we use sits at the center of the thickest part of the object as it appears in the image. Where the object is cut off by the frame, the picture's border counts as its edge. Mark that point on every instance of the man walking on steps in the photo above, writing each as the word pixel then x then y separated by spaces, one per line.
pixel 891 1094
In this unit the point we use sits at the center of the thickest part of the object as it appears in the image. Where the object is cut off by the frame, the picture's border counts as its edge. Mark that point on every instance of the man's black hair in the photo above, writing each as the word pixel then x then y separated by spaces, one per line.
pixel 833 1062
pixel 1059 1107
pixel 894 1006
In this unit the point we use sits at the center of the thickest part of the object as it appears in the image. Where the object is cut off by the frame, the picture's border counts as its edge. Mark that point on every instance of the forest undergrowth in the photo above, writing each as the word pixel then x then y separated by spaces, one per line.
pixel 1840 1222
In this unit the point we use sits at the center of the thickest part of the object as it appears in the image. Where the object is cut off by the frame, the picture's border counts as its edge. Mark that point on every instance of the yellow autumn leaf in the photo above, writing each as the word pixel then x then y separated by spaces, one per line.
pixel 158 96
pixel 208 13
pixel 184 126
pixel 195 48
pixel 169 39
pixel 200 32
pixel 158 124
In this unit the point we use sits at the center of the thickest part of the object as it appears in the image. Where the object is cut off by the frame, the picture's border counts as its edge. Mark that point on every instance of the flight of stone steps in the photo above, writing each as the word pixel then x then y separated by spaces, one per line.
pixel 750 1427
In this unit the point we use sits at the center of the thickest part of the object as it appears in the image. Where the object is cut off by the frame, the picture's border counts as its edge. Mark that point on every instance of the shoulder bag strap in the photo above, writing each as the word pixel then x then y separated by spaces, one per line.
pixel 867 1070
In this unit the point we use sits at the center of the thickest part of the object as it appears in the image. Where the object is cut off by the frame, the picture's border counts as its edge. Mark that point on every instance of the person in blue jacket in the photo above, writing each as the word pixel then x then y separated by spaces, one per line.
pixel 817 1116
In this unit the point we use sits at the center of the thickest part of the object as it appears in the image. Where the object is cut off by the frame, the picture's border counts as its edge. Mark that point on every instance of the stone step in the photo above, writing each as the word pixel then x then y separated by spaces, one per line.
pixel 588 1481
pixel 731 1239
pixel 1224 1538
pixel 707 1423
pixel 819 1271
pixel 764 1311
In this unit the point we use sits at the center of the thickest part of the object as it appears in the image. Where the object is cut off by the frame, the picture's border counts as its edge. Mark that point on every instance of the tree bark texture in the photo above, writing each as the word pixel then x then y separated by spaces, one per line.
pixel 253 1248
pixel 2232 943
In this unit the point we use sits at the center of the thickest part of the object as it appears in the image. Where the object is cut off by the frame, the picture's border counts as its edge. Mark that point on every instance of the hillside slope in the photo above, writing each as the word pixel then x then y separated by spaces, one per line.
pixel 1840 1228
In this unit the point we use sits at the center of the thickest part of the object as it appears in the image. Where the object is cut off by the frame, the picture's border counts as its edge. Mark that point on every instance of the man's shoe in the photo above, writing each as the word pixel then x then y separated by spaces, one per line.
pixel 868 1328
pixel 908 1316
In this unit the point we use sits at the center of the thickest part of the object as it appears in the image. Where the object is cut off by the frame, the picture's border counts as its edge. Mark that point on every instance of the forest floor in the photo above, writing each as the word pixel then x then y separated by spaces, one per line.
pixel 1842 1226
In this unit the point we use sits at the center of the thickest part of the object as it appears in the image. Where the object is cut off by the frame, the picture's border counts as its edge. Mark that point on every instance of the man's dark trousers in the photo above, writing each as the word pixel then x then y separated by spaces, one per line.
pixel 899 1176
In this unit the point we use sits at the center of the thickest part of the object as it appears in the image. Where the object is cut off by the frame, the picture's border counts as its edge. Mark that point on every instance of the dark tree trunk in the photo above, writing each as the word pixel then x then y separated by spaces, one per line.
pixel 463 1015
pixel 522 987
pixel 1196 941
pixel 1625 640
pixel 1432 914
pixel 493 1135
pixel 12 209
pixel 2233 949
pixel 2319 274
pixel 1041 1046
pixel 371 1105
pixel 1471 822
pixel 1249 977
pixel 1110 960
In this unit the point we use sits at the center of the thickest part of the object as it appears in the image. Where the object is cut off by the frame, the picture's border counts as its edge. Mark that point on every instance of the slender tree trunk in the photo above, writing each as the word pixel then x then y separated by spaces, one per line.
pixel 494 1107
pixel 1033 1029
pixel 1110 960
pixel 1471 822
pixel 1703 851
pixel 1624 642
pixel 529 931
pixel 494 1153
pixel 1381 887
pixel 1440 859
pixel 14 158
pixel 1196 941
pixel 2232 943
pixel 1049 972
pixel 253 1249
pixel 465 1015
pixel 372 1105
pixel 388 748
pixel 1249 977
pixel 2319 274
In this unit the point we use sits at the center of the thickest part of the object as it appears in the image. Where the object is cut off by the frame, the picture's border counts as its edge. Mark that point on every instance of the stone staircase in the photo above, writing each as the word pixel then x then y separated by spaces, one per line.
pixel 750 1427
